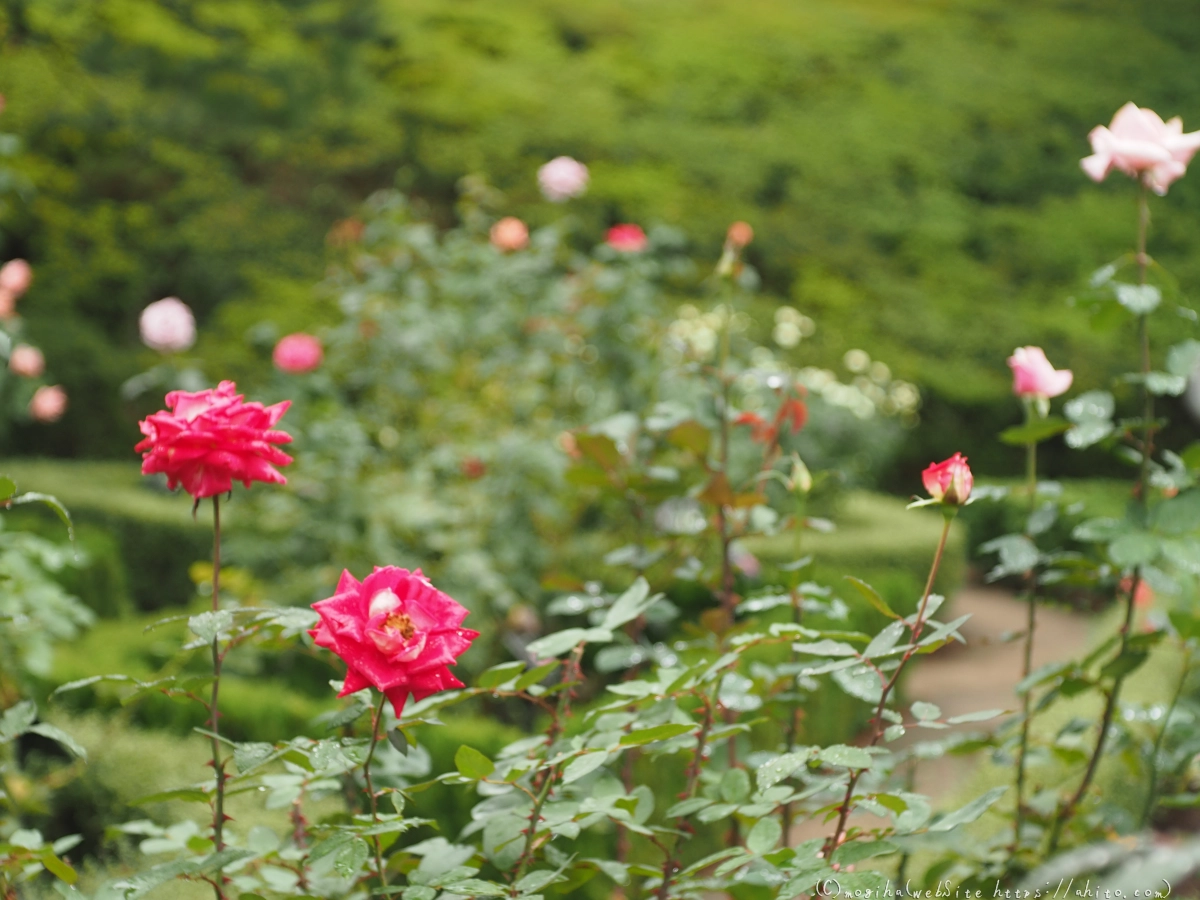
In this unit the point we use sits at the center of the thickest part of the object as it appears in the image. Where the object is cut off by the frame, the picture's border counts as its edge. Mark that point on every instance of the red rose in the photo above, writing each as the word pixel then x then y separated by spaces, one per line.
pixel 396 632
pixel 949 482
pixel 626 238
pixel 209 439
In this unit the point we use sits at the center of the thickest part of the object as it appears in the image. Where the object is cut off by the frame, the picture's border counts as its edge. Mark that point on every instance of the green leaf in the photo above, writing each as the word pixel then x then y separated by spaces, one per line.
pixel 536 675
pixel 691 435
pixel 473 764
pixel 825 647
pixel 1018 554
pixel 856 851
pixel 599 448
pixel 655 733
pixel 872 597
pixel 8 487
pixel 16 720
pixel 735 786
pixel 688 806
pixel 771 773
pixel 185 795
pixel 1134 549
pixel 1139 299
pixel 50 501
pixel 57 867
pixel 535 881
pixel 845 756
pixel 351 858
pixel 57 734
pixel 970 812
pixel 1102 529
pixel 926 712
pixel 557 643
pixel 629 605
pixel 399 740
pixel 979 716
pixel 497 675
pixel 584 765
pixel 764 836
pixel 885 642
pixel 1034 432
pixel 1091 414
pixel 1179 514
pixel 859 681
pixel 1124 664
pixel 207 626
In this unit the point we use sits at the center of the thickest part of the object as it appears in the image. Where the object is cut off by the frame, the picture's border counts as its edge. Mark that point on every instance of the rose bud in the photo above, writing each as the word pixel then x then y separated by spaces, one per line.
pixel 27 361
pixel 949 482
pixel 48 403
pixel 509 234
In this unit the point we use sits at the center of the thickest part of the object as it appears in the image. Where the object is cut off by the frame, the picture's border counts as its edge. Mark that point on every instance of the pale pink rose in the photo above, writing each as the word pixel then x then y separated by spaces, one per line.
pixel 297 353
pixel 15 277
pixel 509 234
pixel 27 361
pixel 1140 144
pixel 626 238
pixel 48 404
pixel 167 325
pixel 562 178
pixel 1033 376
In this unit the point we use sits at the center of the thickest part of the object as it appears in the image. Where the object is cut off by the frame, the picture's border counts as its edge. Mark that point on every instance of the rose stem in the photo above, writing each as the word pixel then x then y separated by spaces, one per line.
pixel 376 718
pixel 917 627
pixel 213 716
pixel 1143 485
pixel 1030 624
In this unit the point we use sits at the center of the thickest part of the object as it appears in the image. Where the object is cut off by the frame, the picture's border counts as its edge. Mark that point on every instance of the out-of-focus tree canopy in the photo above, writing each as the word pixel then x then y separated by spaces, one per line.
pixel 911 169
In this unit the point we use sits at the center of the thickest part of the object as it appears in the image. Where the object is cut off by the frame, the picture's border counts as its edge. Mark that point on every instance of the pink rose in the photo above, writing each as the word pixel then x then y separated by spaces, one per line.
pixel 27 361
pixel 298 353
pixel 562 178
pixel 209 439
pixel 15 277
pixel 48 403
pixel 509 234
pixel 949 482
pixel 626 238
pixel 1033 376
pixel 739 235
pixel 1141 145
pixel 167 325
pixel 396 632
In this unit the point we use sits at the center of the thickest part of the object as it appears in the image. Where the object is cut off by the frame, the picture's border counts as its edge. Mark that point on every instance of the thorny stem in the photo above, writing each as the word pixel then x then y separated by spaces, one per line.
pixel 917 626
pixel 1067 811
pixel 671 863
pixel 570 671
pixel 1162 733
pixel 376 719
pixel 1027 660
pixel 793 731
pixel 213 713
pixel 727 596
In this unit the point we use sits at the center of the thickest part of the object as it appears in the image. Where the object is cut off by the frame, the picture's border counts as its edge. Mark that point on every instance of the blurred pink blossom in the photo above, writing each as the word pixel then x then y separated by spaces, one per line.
pixel 1033 376
pixel 626 238
pixel 509 234
pixel 1140 144
pixel 167 325
pixel 297 353
pixel 48 404
pixel 15 277
pixel 27 361
pixel 562 178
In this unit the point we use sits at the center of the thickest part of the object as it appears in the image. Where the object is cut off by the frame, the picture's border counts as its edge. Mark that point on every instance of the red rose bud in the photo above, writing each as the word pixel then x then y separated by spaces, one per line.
pixel 949 482
pixel 740 234
pixel 396 633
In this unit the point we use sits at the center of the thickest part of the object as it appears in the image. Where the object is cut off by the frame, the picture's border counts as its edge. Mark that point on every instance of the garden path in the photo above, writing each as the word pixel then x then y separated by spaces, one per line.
pixel 980 675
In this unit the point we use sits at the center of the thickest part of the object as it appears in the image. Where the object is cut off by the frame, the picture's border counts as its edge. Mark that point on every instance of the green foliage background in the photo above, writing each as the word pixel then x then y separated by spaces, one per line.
pixel 911 168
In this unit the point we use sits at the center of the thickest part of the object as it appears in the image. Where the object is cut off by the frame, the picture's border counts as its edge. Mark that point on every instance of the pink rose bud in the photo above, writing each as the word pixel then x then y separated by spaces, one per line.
pixel 396 633
pixel 1140 144
pixel 48 404
pixel 740 234
pixel 626 238
pixel 15 277
pixel 297 354
pixel 1033 376
pixel 27 361
pixel 167 325
pixel 509 234
pixel 562 178
pixel 949 482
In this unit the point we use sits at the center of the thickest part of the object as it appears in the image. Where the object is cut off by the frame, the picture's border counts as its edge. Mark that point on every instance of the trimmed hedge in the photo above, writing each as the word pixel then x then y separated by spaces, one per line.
pixel 139 539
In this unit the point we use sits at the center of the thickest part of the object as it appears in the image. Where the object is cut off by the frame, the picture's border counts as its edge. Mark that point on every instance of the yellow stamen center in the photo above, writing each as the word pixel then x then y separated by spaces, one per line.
pixel 398 621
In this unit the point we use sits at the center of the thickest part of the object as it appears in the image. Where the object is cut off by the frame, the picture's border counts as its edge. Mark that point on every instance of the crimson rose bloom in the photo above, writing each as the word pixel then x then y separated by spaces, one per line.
pixel 396 632
pixel 209 439
pixel 950 481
